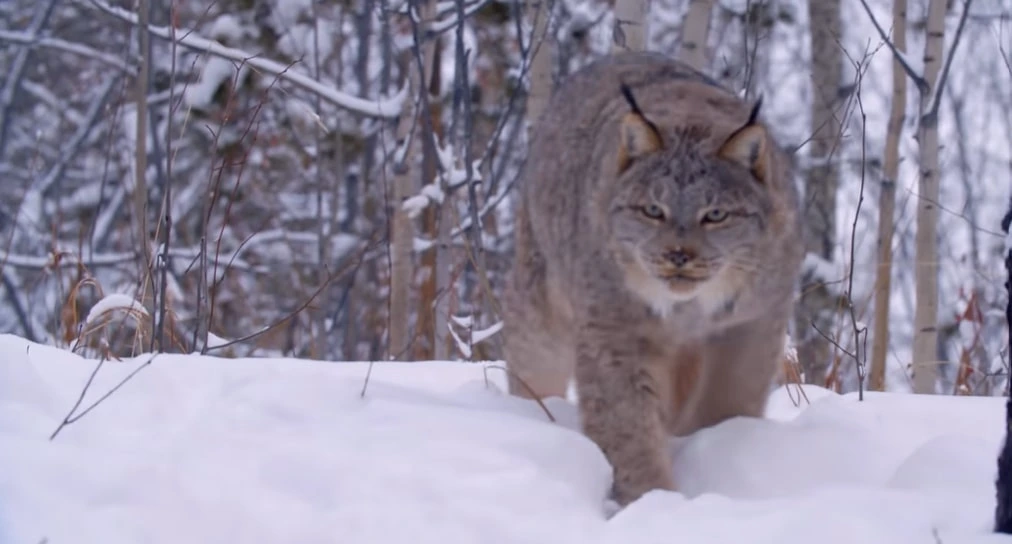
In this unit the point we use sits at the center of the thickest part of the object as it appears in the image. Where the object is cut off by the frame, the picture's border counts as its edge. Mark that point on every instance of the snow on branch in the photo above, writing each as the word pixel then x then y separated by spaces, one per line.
pixel 474 337
pixel 451 177
pixel 388 107
pixel 69 259
pixel 446 13
pixel 820 270
pixel 430 194
pixel 34 40
pixel 452 173
pixel 423 244
pixel 62 257
pixel 111 303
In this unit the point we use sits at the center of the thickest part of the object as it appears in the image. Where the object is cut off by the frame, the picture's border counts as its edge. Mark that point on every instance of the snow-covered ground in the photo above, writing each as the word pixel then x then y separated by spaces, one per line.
pixel 198 449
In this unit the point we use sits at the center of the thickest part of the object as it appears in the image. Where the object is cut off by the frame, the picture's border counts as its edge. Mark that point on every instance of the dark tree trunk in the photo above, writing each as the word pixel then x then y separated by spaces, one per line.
pixel 1003 510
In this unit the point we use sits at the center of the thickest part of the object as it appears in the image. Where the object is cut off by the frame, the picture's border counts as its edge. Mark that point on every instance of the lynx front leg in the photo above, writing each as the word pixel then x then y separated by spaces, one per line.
pixel 539 353
pixel 741 364
pixel 538 348
pixel 621 413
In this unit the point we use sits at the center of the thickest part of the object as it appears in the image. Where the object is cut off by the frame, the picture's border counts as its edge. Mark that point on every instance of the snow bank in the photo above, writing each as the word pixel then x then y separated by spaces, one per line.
pixel 198 449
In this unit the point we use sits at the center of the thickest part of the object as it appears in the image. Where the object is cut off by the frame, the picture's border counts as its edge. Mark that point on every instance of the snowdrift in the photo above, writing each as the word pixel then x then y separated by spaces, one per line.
pixel 199 449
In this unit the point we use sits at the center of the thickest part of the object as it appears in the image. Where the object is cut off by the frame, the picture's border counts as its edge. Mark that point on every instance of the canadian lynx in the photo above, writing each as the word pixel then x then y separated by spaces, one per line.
pixel 658 243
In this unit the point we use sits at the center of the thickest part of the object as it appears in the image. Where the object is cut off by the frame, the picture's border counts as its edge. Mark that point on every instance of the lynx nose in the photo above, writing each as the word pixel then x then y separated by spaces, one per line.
pixel 679 257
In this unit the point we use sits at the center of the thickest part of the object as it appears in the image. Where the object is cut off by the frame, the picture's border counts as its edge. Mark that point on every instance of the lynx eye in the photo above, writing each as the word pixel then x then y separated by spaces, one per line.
pixel 653 211
pixel 715 215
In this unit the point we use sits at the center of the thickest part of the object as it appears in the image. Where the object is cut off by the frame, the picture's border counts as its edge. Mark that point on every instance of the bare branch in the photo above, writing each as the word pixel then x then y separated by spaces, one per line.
pixel 387 108
pixel 29 40
pixel 16 70
pixel 917 78
pixel 73 416
pixel 20 307
pixel 931 110
pixel 74 144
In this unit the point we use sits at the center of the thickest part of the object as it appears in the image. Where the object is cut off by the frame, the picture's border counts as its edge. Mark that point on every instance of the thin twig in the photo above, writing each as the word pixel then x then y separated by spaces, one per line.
pixel 932 109
pixel 71 418
pixel 527 387
pixel 295 312
pixel 918 79
pixel 859 331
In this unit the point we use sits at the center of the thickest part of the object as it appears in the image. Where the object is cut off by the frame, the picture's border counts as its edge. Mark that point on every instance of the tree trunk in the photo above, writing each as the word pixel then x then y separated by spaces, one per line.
pixel 887 203
pixel 925 360
pixel 696 33
pixel 402 232
pixel 140 188
pixel 541 47
pixel 631 25
pixel 432 133
pixel 816 306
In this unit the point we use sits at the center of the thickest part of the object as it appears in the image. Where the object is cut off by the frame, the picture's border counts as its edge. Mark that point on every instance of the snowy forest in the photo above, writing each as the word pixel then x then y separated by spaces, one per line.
pixel 334 179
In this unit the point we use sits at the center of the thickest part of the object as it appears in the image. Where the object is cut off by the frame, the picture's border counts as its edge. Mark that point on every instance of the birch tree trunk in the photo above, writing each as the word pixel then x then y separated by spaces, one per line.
pixel 887 203
pixel 432 217
pixel 140 188
pixel 630 23
pixel 816 306
pixel 540 47
pixel 925 363
pixel 696 34
pixel 402 230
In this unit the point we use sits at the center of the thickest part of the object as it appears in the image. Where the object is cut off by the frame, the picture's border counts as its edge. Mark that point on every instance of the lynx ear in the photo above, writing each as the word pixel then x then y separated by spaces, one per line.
pixel 748 146
pixel 638 136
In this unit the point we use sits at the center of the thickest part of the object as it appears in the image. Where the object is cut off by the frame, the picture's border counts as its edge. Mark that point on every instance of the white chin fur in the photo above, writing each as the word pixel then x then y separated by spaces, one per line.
pixel 712 296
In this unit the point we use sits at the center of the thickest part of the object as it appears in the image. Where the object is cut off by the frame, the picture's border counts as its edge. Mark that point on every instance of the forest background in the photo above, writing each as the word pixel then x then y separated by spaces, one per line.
pixel 333 179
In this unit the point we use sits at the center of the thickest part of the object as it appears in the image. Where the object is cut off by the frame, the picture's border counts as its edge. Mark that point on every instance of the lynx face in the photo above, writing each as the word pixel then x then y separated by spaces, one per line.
pixel 691 224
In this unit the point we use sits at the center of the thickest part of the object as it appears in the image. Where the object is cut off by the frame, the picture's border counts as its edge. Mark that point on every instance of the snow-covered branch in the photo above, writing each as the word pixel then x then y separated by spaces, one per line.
pixel 34 40
pixel 474 337
pixel 422 244
pixel 451 177
pixel 66 258
pixel 441 26
pixel 820 270
pixel 388 107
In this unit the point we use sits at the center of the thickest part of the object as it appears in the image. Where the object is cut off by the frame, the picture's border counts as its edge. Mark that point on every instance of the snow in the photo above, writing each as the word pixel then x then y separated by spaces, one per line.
pixel 202 449
pixel 113 302
pixel 227 29
pixel 820 269
pixel 312 44
pixel 486 333
pixel 216 72
pixel 415 205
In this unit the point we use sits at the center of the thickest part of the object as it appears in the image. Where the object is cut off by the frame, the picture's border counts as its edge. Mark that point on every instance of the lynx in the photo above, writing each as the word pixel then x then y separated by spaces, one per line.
pixel 658 244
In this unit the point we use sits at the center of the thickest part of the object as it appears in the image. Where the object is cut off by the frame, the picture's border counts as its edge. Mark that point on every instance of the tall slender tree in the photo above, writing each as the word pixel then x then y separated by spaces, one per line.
pixel 925 360
pixel 817 305
pixel 887 202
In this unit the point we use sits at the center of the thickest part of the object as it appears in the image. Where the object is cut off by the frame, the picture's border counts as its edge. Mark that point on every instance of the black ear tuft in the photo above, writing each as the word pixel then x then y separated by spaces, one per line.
pixel 637 111
pixel 754 116
pixel 749 145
